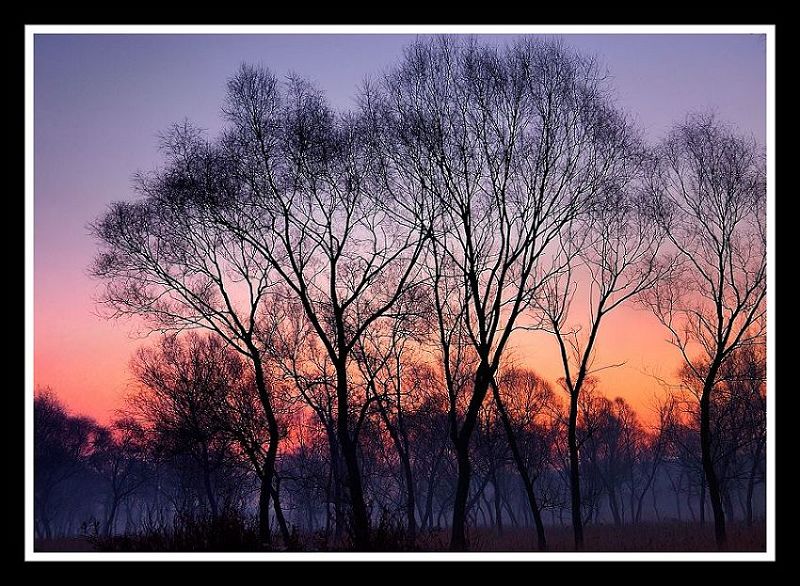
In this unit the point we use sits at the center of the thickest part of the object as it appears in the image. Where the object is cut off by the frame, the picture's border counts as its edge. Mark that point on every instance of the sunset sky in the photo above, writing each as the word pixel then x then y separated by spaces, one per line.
pixel 101 100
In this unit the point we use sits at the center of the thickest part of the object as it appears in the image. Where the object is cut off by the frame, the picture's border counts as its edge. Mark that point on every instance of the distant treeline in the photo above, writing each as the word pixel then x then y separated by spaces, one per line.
pixel 182 452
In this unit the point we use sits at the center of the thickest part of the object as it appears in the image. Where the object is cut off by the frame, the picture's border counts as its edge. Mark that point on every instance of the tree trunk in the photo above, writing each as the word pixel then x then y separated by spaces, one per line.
pixel 574 472
pixel 336 473
pixel 526 516
pixel 676 488
pixel 708 462
pixel 359 516
pixel 648 485
pixel 282 525
pixel 521 469
pixel 458 538
pixel 461 441
pixel 309 515
pixel 613 505
pixel 751 482
pixel 358 507
pixel 431 489
pixel 498 511
pixel 112 515
pixel 268 469
pixel 427 519
pixel 212 499
pixel 432 485
pixel 128 516
pixel 401 447
pixel 655 505
pixel 727 504
pixel 264 533
pixel 328 499
pixel 483 513
pixel 510 511
pixel 411 505
pixel 440 516
pixel 631 504
pixel 701 499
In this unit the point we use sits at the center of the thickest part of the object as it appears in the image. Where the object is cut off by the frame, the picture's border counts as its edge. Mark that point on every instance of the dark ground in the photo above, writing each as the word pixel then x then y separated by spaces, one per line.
pixel 647 537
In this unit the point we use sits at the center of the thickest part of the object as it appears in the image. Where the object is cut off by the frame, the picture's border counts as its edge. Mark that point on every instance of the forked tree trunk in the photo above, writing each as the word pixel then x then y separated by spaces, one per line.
pixel 268 469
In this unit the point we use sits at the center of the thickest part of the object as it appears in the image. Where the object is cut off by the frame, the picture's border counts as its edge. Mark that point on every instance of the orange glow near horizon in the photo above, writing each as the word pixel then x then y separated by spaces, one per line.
pixel 87 366
pixel 629 337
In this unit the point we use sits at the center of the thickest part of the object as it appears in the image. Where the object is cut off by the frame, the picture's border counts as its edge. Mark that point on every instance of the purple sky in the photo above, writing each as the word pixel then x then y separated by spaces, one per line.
pixel 101 100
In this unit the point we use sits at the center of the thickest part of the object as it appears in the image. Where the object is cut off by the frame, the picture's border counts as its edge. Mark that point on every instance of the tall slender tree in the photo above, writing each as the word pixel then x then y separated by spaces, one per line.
pixel 610 255
pixel 709 194
pixel 165 260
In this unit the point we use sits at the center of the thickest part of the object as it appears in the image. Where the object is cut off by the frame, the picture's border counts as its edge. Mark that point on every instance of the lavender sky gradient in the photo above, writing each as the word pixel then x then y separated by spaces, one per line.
pixel 101 100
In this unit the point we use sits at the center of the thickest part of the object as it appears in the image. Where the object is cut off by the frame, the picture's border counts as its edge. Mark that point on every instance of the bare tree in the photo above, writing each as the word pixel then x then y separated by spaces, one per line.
pixel 62 445
pixel 344 243
pixel 522 400
pixel 118 456
pixel 165 260
pixel 709 196
pixel 306 366
pixel 748 377
pixel 181 386
pixel 362 277
pixel 508 147
pixel 427 425
pixel 613 251
pixel 385 357
pixel 653 453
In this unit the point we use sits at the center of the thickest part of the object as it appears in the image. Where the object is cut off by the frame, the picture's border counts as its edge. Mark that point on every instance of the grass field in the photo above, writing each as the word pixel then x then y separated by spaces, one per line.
pixel 646 537
pixel 675 536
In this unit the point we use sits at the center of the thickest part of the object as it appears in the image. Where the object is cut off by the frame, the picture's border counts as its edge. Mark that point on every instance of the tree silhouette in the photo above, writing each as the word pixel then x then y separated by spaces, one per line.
pixel 181 403
pixel 612 251
pixel 522 399
pixel 338 296
pixel 709 196
pixel 118 456
pixel 290 193
pixel 163 258
pixel 62 446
